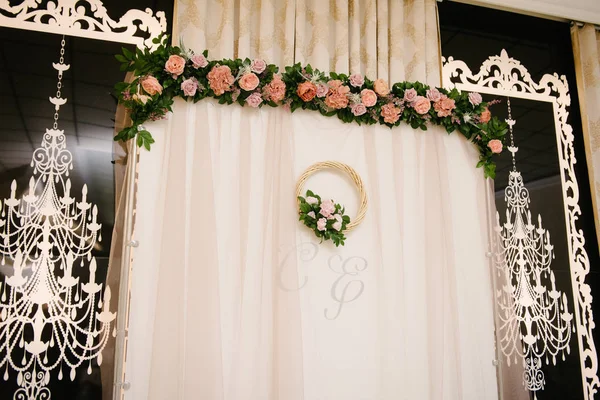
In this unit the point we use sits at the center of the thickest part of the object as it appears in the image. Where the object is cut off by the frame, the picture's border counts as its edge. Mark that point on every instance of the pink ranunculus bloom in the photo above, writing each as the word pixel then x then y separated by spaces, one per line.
pixel 254 100
pixel 327 208
pixel 358 109
pixel 422 105
pixel 322 90
pixel 249 81
pixel 410 95
pixel 337 226
pixel 258 66
pixel 486 115
pixel 199 61
pixel 306 91
pixel 276 89
pixel 368 97
pixel 175 65
pixel 312 215
pixel 151 85
pixel 495 145
pixel 337 98
pixel 357 80
pixel 434 95
pixel 390 113
pixel 475 98
pixel 311 200
pixel 189 86
pixel 381 87
pixel 322 224
pixel 220 79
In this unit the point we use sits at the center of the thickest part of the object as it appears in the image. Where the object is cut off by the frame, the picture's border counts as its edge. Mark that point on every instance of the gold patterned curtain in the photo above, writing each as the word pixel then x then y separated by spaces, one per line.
pixel 586 47
pixel 390 39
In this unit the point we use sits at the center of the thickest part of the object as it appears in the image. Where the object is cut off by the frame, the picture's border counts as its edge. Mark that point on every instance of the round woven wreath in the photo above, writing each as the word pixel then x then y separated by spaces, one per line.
pixel 325 217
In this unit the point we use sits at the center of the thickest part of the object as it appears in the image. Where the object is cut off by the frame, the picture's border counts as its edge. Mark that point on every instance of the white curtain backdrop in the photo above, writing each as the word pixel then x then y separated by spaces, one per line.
pixel 233 299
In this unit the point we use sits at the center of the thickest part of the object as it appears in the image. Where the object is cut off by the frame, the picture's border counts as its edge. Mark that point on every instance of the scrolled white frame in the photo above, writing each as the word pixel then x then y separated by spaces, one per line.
pixel 504 76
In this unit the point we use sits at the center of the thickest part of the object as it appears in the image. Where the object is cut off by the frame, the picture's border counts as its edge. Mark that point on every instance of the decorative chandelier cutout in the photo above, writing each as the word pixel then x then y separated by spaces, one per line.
pixel 535 322
pixel 48 234
pixel 84 18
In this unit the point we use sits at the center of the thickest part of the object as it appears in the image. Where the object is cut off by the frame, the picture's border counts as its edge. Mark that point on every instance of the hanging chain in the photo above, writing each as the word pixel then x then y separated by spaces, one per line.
pixel 512 139
pixel 59 83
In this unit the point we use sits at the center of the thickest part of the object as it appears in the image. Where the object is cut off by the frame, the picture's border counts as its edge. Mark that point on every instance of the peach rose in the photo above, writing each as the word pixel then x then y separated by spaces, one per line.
pixel 486 115
pixel 249 81
pixel 495 145
pixel 444 106
pixel 276 89
pixel 306 91
pixel 151 85
pixel 334 83
pixel 422 105
pixel 390 113
pixel 220 79
pixel 175 65
pixel 381 87
pixel 337 97
pixel 368 97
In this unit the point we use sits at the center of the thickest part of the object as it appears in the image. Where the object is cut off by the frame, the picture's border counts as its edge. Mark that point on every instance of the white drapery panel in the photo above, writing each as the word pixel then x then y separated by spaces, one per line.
pixel 389 39
pixel 233 299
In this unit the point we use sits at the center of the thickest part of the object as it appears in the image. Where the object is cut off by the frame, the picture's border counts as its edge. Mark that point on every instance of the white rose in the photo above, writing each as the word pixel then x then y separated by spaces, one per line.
pixel 337 225
pixel 312 200
pixel 312 215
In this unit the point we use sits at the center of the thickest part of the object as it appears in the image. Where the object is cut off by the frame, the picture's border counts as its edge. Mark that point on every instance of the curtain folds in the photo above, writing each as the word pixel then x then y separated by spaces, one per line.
pixel 586 48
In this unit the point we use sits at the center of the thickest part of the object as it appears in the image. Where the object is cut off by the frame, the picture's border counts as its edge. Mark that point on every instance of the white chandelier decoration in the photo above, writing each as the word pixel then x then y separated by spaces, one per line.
pixel 47 234
pixel 535 322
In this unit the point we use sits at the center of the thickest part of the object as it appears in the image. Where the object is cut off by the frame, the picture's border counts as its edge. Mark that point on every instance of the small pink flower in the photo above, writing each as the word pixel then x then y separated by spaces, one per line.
pixel 312 215
pixel 495 145
pixel 175 65
pixel 422 105
pixel 381 87
pixel 249 82
pixel 220 79
pixel 322 90
pixel 311 200
pixel 434 95
pixel 475 98
pixel 151 85
pixel 410 95
pixel 327 208
pixel 358 109
pixel 322 224
pixel 199 61
pixel 486 115
pixel 189 86
pixel 276 89
pixel 357 80
pixel 390 113
pixel 337 97
pixel 254 100
pixel 368 97
pixel 258 66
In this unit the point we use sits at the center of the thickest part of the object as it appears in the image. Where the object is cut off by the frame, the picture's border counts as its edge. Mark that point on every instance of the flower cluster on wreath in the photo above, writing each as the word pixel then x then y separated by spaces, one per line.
pixel 324 217
pixel 171 71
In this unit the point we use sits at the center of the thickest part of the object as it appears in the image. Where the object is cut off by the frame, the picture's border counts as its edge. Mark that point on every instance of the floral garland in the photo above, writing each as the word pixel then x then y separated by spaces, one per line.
pixel 325 218
pixel 171 71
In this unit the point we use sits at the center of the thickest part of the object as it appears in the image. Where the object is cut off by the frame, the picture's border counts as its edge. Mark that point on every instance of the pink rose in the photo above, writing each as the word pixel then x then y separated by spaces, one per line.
pixel 312 200
pixel 322 90
pixel 254 100
pixel 410 95
pixel 338 217
pixel 327 208
pixel 249 82
pixel 390 113
pixel 175 65
pixel 357 80
pixel 151 85
pixel 306 91
pixel 337 225
pixel 322 224
pixel 475 98
pixel 358 109
pixel 486 115
pixel 189 86
pixel 444 106
pixel 434 95
pixel 422 105
pixel 337 97
pixel 276 89
pixel 199 61
pixel 381 87
pixel 220 79
pixel 368 97
pixel 258 66
pixel 495 145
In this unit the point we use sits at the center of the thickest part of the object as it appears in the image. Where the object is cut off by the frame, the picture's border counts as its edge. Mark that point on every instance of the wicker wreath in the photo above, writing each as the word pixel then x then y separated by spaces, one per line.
pixel 326 218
